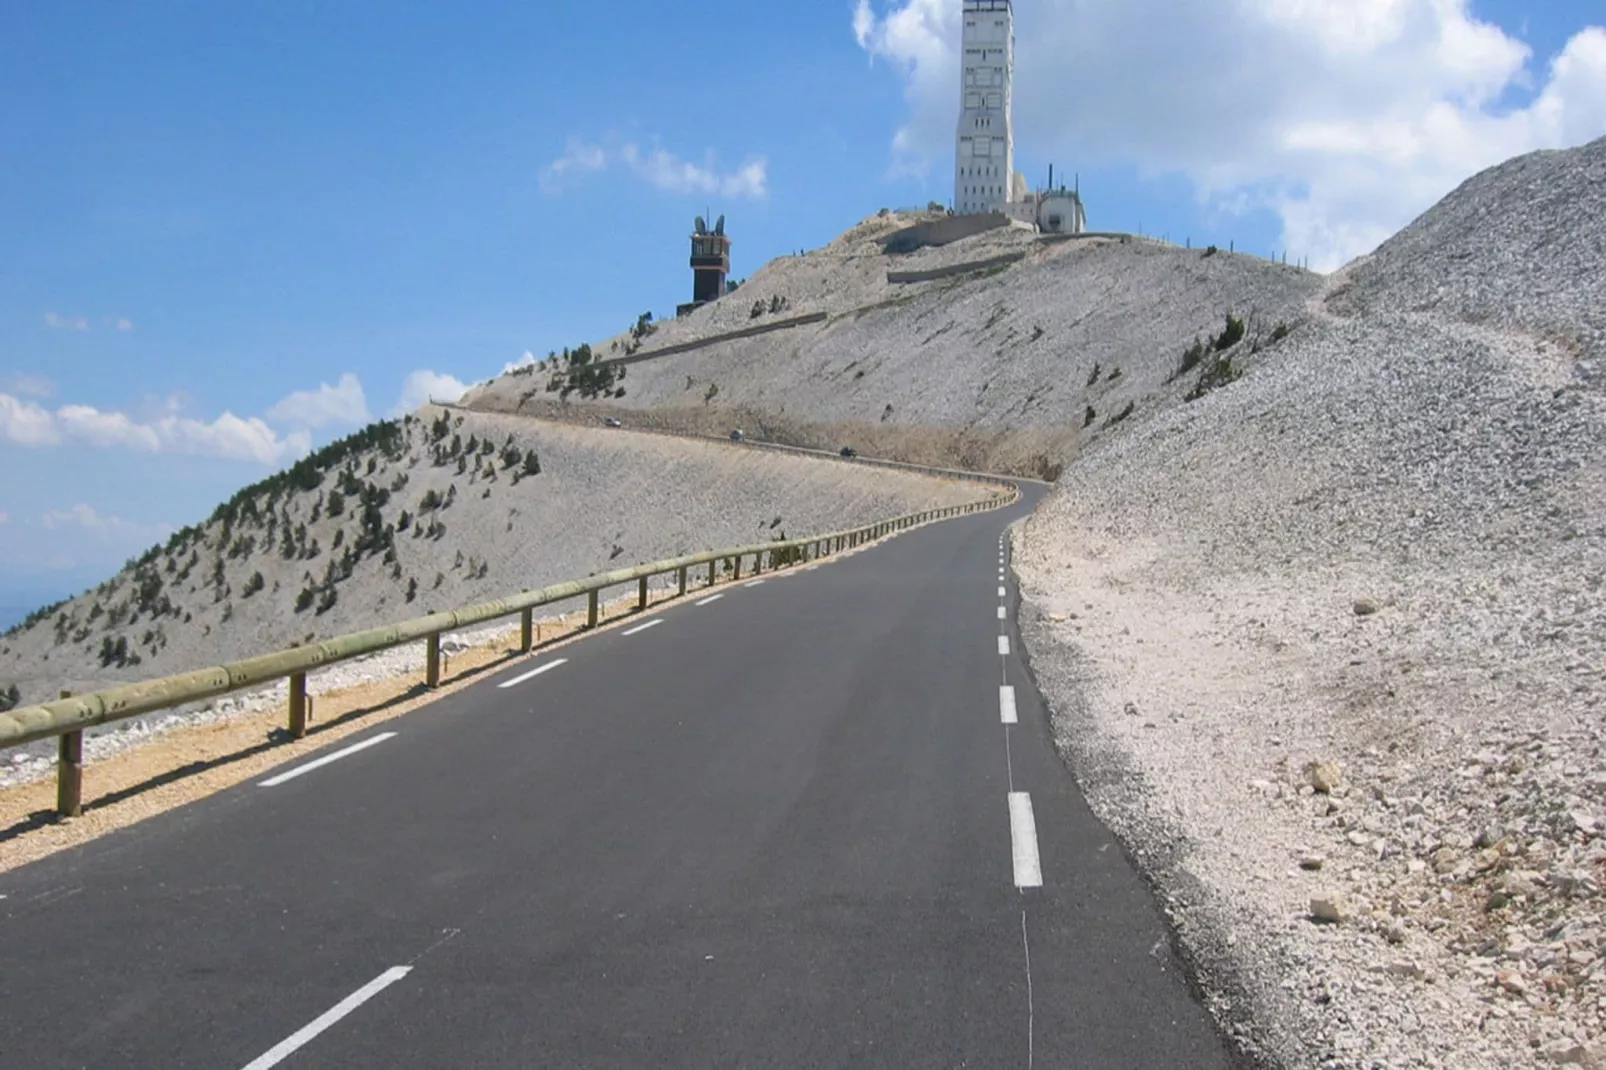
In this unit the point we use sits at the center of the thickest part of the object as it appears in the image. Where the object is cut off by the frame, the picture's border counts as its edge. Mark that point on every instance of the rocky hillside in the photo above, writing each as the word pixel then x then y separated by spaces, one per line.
pixel 1329 645
pixel 1012 368
pixel 435 511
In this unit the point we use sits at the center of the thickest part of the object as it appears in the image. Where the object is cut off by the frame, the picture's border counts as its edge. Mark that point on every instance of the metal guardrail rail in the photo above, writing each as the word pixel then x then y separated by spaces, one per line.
pixel 68 717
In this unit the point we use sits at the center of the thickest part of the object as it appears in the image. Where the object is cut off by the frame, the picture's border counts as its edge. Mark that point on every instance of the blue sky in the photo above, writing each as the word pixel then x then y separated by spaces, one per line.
pixel 207 208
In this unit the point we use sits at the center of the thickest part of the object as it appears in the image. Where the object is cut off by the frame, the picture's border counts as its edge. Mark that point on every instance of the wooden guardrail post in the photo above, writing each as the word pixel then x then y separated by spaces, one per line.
pixel 298 705
pixel 736 572
pixel 593 610
pixel 70 772
pixel 432 660
pixel 641 597
pixel 683 581
pixel 527 630
pixel 712 565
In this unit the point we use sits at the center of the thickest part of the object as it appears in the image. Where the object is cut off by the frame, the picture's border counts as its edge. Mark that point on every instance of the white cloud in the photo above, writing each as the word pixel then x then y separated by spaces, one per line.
pixel 424 386
pixel 25 385
pixel 110 528
pixel 28 424
pixel 529 360
pixel 1346 117
pixel 659 168
pixel 343 403
pixel 125 325
pixel 58 322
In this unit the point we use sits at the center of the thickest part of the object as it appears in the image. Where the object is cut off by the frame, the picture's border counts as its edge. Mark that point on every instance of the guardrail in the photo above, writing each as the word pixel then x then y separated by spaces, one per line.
pixel 68 717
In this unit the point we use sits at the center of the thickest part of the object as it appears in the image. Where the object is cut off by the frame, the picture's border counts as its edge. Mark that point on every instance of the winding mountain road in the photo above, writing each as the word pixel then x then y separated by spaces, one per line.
pixel 816 821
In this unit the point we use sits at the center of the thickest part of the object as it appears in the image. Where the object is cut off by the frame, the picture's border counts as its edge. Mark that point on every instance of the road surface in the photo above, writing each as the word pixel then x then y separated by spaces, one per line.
pixel 816 822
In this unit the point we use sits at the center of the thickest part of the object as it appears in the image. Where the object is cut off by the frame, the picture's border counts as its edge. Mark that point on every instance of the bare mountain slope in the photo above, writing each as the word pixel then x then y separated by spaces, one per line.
pixel 1010 369
pixel 1385 548
pixel 438 511
pixel 1519 247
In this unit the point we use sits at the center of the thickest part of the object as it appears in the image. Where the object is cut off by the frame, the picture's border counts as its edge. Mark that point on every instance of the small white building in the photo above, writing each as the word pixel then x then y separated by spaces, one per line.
pixel 984 158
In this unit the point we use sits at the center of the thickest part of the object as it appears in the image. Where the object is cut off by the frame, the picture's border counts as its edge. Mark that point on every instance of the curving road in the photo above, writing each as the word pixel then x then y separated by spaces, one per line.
pixel 816 822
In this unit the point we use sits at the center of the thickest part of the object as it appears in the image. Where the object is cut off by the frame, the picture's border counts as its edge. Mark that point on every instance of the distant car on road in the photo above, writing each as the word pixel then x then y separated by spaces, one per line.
pixel 737 436
pixel 613 422
pixel 849 451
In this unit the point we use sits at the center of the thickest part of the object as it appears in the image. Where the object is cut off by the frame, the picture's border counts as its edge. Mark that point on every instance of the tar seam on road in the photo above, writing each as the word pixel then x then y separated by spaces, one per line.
pixel 643 627
pixel 279 1052
pixel 1023 836
pixel 712 598
pixel 532 674
pixel 318 763
pixel 1031 1010
pixel 1003 645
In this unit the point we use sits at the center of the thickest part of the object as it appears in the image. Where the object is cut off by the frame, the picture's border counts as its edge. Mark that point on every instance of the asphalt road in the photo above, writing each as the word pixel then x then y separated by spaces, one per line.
pixel 789 827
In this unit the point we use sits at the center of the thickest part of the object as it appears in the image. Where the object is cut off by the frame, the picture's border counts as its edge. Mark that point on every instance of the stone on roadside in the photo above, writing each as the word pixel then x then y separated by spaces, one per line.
pixel 1365 607
pixel 1331 908
pixel 1312 862
pixel 1325 777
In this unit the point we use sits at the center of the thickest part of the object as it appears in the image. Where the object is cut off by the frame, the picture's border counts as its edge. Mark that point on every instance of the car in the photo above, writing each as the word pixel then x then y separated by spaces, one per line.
pixel 737 436
pixel 613 422
pixel 849 451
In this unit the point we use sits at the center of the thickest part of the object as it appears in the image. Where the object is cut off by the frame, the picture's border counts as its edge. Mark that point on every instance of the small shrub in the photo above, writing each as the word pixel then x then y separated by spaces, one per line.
pixel 1123 414
pixel 1279 332
pixel 1093 376
pixel 430 502
pixel 1089 417
pixel 327 601
pixel 305 599
pixel 1233 334
pixel 711 393
pixel 412 589
pixel 1208 253
pixel 10 698
pixel 253 585
pixel 1114 375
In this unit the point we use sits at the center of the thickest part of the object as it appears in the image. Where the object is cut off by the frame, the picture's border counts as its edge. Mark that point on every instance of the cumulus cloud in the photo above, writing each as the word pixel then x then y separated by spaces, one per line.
pixel 125 325
pixel 660 169
pixel 27 423
pixel 343 403
pixel 529 360
pixel 1345 118
pixel 424 386
pixel 30 386
pixel 58 322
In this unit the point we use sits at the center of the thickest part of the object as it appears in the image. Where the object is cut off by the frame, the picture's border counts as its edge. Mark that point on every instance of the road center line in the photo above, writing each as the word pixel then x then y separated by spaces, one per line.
pixel 711 598
pixel 319 763
pixel 279 1052
pixel 1003 592
pixel 638 629
pixel 532 674
pixel 1006 705
pixel 1002 613
pixel 755 583
pixel 1023 838
pixel 1003 645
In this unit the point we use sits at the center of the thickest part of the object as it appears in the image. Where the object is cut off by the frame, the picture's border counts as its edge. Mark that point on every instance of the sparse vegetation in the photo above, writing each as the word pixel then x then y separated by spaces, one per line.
pixel 1089 417
pixel 10 698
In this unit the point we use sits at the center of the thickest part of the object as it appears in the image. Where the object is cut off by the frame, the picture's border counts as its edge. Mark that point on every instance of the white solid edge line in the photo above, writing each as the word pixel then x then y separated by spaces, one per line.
pixel 280 1051
pixel 711 598
pixel 1006 705
pixel 1003 644
pixel 755 583
pixel 319 763
pixel 643 627
pixel 1023 839
pixel 1002 613
pixel 532 674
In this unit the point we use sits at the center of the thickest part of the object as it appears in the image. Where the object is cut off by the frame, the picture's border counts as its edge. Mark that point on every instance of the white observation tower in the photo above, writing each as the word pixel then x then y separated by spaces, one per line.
pixel 984 156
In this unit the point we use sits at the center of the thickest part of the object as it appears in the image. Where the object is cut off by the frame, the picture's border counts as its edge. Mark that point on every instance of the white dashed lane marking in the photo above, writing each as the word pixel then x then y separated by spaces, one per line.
pixel 532 674
pixel 1023 838
pixel 287 1047
pixel 643 627
pixel 1003 645
pixel 1002 613
pixel 1006 705
pixel 711 598
pixel 1003 592
pixel 273 782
